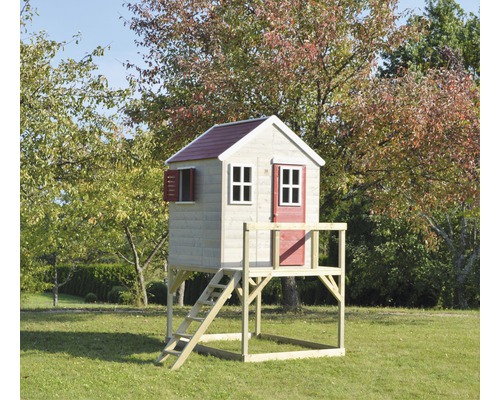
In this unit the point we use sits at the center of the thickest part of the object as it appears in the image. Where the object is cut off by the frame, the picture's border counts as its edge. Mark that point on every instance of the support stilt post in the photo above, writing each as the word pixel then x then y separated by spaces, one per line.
pixel 244 286
pixel 258 309
pixel 170 302
pixel 341 287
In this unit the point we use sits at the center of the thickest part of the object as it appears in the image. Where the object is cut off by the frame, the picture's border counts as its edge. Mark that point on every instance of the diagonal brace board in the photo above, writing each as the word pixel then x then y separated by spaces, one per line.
pixel 179 278
pixel 259 287
pixel 330 284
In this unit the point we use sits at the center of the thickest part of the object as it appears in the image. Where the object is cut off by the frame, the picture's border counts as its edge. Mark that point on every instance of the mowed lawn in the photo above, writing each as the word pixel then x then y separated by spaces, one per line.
pixel 109 353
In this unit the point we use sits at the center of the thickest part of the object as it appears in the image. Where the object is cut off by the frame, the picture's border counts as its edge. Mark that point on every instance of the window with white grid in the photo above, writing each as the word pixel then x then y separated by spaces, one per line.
pixel 241 182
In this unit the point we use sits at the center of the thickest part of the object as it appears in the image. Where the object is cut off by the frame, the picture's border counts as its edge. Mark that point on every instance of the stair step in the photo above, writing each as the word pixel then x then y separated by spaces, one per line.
pixel 197 319
pixel 183 335
pixel 217 286
pixel 171 352
pixel 206 302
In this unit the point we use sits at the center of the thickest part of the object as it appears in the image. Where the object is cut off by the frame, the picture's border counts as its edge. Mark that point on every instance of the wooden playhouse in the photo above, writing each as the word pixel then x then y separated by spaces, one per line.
pixel 244 206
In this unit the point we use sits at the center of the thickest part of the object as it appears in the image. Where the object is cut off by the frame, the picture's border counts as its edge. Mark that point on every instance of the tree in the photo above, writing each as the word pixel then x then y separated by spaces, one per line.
pixel 414 147
pixel 218 61
pixel 132 210
pixel 65 138
pixel 87 185
pixel 448 37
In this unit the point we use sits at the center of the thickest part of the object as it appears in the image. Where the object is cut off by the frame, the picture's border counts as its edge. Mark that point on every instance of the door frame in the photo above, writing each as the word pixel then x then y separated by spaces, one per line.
pixel 290 212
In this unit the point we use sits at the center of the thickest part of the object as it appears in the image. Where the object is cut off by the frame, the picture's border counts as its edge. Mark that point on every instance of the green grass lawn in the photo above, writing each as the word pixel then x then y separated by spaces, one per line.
pixel 103 352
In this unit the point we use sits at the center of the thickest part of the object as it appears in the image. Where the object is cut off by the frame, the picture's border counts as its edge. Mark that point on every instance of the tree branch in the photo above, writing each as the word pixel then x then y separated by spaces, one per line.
pixel 130 240
pixel 440 231
pixel 124 258
pixel 70 275
pixel 155 250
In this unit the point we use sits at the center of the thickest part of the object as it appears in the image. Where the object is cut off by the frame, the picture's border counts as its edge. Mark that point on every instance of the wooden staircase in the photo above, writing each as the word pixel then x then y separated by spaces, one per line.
pixel 203 313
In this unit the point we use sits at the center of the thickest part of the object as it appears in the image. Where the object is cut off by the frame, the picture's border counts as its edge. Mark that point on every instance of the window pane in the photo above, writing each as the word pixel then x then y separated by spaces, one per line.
pixel 295 196
pixel 236 174
pixel 286 176
pixel 247 174
pixel 286 195
pixel 236 193
pixel 246 193
pixel 295 177
pixel 185 185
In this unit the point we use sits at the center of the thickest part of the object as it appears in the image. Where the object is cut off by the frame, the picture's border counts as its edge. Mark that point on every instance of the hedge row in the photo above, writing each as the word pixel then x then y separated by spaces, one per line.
pixel 101 278
pixel 96 278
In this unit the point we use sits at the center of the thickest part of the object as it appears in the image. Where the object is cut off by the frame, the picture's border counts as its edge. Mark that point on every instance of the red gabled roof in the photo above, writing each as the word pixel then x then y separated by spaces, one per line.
pixel 216 140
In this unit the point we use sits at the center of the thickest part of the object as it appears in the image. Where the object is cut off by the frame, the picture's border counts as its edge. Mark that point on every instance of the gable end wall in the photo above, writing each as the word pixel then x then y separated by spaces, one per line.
pixel 260 151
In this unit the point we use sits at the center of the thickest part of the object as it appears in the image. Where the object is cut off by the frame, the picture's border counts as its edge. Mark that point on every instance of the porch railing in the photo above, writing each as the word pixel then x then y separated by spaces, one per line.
pixel 277 227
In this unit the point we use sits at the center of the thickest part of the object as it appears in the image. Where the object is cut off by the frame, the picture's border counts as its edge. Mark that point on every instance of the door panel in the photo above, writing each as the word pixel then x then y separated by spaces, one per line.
pixel 289 205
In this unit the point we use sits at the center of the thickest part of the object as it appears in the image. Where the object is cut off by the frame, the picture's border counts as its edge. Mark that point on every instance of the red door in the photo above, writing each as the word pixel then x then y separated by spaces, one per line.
pixel 289 205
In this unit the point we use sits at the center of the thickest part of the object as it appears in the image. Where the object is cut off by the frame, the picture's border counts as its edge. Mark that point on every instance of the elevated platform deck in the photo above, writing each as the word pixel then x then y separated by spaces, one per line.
pixel 256 272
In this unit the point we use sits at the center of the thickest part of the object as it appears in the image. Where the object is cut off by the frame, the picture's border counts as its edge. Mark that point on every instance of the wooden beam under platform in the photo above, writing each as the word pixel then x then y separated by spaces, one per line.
pixel 314 350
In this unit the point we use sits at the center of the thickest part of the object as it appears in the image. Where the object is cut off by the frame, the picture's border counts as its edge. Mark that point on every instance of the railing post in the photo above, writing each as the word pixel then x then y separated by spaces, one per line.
pixel 244 286
pixel 258 309
pixel 341 287
pixel 314 249
pixel 276 249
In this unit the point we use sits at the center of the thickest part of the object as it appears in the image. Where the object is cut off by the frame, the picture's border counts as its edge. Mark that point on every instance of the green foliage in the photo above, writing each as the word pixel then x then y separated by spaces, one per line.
pixel 448 38
pixel 68 132
pixel 90 298
pixel 394 268
pixel 32 278
pixel 87 187
pixel 119 295
pixel 157 292
pixel 97 278
pixel 414 150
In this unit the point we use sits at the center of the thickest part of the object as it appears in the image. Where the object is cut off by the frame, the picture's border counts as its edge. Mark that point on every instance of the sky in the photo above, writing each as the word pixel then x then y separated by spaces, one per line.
pixel 101 22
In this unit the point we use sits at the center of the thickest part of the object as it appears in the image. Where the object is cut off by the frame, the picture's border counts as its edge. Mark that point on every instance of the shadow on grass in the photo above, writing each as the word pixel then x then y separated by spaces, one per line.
pixel 105 346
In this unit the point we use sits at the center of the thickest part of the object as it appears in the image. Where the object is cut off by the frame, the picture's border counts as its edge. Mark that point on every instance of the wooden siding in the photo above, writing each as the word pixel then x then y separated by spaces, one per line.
pixel 195 228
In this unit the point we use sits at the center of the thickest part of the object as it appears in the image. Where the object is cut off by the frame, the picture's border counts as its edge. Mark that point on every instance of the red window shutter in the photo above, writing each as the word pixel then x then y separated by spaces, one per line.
pixel 170 185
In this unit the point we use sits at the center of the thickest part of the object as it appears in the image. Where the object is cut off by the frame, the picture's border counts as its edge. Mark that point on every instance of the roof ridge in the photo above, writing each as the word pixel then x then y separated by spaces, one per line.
pixel 242 122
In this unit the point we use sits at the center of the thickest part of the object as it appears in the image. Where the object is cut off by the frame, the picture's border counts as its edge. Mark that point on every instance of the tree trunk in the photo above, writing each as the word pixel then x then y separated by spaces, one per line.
pixel 180 294
pixel 461 243
pixel 55 290
pixel 290 295
pixel 143 295
pixel 140 268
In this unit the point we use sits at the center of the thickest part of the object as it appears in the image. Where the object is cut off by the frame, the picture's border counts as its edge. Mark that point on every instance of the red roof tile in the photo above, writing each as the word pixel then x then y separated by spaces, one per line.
pixel 216 140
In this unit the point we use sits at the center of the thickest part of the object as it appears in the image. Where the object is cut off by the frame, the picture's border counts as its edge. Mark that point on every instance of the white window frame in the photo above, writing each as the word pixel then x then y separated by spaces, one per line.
pixel 241 184
pixel 290 186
